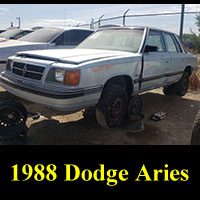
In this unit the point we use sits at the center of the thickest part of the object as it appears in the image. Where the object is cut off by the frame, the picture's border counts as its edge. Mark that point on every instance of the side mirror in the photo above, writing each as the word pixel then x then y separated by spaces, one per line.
pixel 150 49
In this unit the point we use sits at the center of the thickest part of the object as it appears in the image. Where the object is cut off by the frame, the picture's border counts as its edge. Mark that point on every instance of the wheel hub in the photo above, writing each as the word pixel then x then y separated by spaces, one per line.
pixel 10 117
pixel 116 107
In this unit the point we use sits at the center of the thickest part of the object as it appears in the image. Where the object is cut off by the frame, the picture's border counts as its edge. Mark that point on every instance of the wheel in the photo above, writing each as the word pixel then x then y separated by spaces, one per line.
pixel 112 107
pixel 13 118
pixel 182 86
pixel 134 108
pixel 195 139
pixel 169 90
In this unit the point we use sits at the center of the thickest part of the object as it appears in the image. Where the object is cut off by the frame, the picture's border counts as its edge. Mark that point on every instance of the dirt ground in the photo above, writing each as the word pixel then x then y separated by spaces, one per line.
pixel 57 128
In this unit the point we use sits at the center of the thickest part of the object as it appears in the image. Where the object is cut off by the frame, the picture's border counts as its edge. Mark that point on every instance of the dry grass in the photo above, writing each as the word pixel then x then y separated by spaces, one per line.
pixel 195 79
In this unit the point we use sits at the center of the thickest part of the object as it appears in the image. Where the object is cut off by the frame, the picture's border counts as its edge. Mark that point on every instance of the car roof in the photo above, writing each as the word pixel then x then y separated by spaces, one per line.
pixel 134 27
pixel 69 28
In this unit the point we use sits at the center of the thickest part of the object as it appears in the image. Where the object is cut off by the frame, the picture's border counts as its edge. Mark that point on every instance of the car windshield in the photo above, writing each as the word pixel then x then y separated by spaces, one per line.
pixel 11 33
pixel 117 40
pixel 42 35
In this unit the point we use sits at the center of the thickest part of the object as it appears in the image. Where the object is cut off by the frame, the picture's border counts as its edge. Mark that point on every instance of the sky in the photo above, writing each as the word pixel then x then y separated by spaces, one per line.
pixel 61 15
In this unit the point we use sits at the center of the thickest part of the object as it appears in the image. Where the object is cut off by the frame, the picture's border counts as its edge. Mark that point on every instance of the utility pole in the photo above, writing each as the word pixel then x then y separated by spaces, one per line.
pixel 182 20
pixel 19 22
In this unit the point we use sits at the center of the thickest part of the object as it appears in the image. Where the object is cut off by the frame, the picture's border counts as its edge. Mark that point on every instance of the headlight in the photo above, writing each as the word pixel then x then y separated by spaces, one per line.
pixel 59 75
pixel 8 65
pixel 67 77
pixel 72 77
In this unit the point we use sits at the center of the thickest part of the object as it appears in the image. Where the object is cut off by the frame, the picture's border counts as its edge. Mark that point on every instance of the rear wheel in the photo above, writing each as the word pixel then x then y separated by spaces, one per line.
pixel 169 90
pixel 182 86
pixel 112 107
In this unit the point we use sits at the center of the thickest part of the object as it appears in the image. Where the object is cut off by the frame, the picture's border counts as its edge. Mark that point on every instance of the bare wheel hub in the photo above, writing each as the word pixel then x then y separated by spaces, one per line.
pixel 116 107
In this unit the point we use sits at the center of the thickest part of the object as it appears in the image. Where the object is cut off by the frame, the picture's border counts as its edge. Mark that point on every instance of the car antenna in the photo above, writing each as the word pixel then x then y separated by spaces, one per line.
pixel 65 17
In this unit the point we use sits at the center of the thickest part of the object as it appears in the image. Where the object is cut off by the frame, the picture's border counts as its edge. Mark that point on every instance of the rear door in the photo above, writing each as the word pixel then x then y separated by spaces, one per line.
pixel 156 64
pixel 176 57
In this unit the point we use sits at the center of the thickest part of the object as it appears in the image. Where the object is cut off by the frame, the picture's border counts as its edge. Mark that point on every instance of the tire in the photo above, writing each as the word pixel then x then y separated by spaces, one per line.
pixel 112 107
pixel 182 86
pixel 134 109
pixel 13 118
pixel 169 90
pixel 195 138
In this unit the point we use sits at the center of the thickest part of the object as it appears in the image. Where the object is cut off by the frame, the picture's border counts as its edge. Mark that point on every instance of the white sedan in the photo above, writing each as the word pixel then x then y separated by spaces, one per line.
pixel 46 38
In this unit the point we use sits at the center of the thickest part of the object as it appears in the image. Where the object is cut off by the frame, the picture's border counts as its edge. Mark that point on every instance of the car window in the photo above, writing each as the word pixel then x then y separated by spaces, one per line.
pixel 42 35
pixel 170 43
pixel 178 46
pixel 72 37
pixel 155 39
pixel 22 34
pixel 117 40
pixel 11 33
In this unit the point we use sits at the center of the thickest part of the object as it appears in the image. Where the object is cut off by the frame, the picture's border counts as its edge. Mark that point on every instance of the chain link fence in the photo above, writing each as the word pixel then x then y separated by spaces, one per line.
pixel 128 20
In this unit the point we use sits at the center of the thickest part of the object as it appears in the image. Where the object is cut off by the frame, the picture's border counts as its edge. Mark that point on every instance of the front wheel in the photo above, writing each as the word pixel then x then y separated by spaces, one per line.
pixel 112 107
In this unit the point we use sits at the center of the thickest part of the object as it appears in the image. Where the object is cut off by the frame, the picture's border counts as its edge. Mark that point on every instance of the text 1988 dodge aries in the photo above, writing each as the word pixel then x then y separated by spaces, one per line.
pixel 105 70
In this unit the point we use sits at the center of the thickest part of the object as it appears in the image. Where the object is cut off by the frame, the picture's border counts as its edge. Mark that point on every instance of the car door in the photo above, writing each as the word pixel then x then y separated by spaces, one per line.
pixel 156 63
pixel 176 57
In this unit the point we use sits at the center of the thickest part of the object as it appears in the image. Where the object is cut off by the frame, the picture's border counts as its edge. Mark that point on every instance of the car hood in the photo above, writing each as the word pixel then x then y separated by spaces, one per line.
pixel 74 56
pixel 11 47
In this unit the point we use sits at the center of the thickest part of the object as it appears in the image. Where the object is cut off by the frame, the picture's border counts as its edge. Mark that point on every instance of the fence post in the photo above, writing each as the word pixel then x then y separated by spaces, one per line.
pixel 124 17
pixel 182 21
pixel 100 20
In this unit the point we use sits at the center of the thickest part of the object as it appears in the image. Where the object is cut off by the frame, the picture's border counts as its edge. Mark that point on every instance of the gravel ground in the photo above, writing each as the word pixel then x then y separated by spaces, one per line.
pixel 57 128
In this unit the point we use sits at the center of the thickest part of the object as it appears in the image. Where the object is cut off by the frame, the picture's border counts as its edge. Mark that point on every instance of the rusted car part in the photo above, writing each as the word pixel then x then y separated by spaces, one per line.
pixel 13 117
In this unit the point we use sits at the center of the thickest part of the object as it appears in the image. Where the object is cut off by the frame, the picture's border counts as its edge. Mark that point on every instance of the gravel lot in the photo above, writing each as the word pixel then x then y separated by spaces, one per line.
pixel 57 128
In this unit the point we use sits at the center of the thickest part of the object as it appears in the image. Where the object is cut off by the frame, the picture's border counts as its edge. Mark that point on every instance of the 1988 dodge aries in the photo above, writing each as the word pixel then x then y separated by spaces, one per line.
pixel 106 70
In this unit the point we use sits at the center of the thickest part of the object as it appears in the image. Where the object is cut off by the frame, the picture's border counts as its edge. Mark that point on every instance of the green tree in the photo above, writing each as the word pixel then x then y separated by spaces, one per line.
pixel 198 21
pixel 192 40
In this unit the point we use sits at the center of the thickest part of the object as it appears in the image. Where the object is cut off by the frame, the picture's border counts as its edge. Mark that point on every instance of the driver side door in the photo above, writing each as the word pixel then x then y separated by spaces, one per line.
pixel 156 64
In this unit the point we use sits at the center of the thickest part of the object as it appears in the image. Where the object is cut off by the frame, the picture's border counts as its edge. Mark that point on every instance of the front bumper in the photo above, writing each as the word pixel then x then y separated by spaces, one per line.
pixel 58 98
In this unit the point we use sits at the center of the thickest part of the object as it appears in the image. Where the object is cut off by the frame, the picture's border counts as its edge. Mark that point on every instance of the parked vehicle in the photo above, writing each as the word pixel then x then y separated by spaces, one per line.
pixel 106 70
pixel 14 33
pixel 45 38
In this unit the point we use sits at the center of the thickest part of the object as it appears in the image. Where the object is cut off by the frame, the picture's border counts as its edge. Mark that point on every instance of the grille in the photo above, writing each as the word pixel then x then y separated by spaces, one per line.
pixel 29 71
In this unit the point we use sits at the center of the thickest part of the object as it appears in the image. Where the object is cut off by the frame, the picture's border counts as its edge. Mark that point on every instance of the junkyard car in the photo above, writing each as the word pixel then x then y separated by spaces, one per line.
pixel 45 38
pixel 14 33
pixel 105 70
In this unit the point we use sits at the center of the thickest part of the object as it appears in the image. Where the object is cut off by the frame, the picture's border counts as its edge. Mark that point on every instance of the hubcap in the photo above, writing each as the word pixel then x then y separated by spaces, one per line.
pixel 116 107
